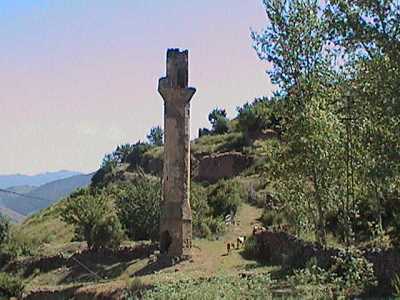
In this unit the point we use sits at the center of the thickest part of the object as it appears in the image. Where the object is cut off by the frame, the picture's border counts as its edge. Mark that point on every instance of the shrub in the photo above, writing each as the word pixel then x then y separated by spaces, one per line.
pixel 225 198
pixel 261 114
pixel 354 273
pixel 216 225
pixel 272 217
pixel 19 245
pixel 139 208
pixel 200 210
pixel 4 229
pixel 138 150
pixel 107 233
pixel 217 287
pixel 349 276
pixel 94 218
pixel 250 248
pixel 396 285
pixel 10 286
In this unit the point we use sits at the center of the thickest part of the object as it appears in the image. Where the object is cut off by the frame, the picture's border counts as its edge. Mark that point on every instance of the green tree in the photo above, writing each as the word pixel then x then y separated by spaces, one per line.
pixel 94 219
pixel 219 121
pixel 122 152
pixel 261 114
pixel 156 136
pixel 295 41
pixel 337 67
pixel 139 208
pixel 368 34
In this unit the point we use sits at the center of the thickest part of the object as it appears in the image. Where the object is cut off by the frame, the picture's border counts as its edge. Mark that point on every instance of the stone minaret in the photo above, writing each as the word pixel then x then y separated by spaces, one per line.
pixel 176 215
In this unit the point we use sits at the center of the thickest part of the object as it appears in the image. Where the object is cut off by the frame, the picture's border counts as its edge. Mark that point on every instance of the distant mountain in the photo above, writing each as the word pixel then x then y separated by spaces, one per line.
pixel 34 180
pixel 37 198
pixel 14 216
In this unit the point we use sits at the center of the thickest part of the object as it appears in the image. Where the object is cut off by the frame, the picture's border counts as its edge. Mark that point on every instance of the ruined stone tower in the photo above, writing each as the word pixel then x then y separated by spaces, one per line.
pixel 176 215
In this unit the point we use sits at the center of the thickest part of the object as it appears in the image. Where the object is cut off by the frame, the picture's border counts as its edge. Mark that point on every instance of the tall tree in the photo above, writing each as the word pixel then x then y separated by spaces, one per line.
pixel 156 136
pixel 296 42
pixel 219 121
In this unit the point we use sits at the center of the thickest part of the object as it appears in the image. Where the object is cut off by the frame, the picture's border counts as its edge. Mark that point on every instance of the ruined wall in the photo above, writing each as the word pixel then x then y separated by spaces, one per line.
pixel 223 165
pixel 282 248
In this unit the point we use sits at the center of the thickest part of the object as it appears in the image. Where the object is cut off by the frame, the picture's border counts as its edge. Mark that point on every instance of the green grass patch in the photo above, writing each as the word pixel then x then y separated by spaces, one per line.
pixel 218 143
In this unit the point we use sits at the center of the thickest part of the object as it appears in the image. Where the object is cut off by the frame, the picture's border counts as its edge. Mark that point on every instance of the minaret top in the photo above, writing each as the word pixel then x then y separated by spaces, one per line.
pixel 177 78
pixel 177 68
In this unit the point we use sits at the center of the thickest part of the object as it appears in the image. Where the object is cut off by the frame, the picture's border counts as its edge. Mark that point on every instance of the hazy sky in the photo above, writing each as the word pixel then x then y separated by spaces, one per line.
pixel 79 77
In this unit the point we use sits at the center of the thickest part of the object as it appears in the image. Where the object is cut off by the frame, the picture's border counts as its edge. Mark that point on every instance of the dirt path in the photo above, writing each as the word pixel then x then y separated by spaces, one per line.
pixel 210 257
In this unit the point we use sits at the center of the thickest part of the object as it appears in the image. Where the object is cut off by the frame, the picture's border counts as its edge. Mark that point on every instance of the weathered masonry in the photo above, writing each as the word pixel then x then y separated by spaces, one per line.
pixel 176 215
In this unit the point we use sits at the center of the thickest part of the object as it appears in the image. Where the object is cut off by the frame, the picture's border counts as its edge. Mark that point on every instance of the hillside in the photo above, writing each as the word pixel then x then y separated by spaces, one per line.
pixel 41 197
pixel 62 267
pixel 49 236
pixel 13 180
pixel 13 215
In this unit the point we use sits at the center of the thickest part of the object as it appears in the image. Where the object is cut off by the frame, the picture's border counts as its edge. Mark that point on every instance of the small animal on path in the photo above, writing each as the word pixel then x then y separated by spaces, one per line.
pixel 257 229
pixel 240 241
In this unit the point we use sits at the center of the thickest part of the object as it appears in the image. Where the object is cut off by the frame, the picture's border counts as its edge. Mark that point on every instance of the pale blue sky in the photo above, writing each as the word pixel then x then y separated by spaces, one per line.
pixel 80 77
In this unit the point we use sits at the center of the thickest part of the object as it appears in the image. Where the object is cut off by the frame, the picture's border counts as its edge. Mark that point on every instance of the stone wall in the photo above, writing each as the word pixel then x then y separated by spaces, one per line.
pixel 48 263
pixel 281 248
pixel 214 167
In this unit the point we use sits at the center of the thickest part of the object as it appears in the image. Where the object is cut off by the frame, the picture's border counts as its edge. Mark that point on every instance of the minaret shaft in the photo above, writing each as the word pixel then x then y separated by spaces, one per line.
pixel 176 215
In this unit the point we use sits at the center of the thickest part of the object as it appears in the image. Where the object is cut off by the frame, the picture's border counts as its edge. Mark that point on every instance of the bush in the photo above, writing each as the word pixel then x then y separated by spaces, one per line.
pixel 349 276
pixel 94 218
pixel 250 248
pixel 107 233
pixel 396 285
pixel 272 217
pixel 139 208
pixel 354 273
pixel 4 229
pixel 225 198
pixel 18 245
pixel 10 286
pixel 261 114
pixel 217 287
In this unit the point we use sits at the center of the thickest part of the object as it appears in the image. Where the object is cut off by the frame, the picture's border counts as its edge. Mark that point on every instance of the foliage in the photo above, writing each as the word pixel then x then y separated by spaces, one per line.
pixel 250 247
pixel 355 273
pixel 122 153
pixel 272 217
pixel 4 229
pixel 10 286
pixel 135 157
pixel 204 131
pixel 308 165
pixel 337 67
pixel 218 143
pixel 220 286
pixel 349 276
pixel 18 246
pixel 94 218
pixel 225 198
pixel 396 285
pixel 139 208
pixel 293 41
pixel 156 136
pixel 262 113
pixel 219 121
